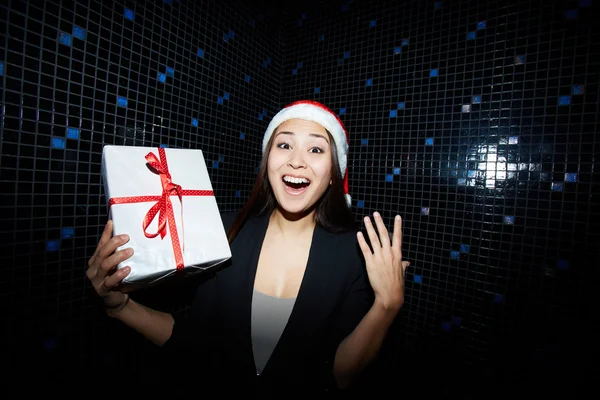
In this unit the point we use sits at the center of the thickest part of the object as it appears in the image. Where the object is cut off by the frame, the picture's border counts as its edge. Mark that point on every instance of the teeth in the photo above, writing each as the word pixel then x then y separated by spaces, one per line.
pixel 295 180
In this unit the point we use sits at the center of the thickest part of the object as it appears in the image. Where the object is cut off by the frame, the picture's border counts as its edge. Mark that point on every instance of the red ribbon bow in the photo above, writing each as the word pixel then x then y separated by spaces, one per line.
pixel 163 206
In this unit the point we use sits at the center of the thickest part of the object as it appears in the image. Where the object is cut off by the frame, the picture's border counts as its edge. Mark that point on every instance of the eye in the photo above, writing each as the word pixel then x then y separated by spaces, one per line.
pixel 283 146
pixel 318 150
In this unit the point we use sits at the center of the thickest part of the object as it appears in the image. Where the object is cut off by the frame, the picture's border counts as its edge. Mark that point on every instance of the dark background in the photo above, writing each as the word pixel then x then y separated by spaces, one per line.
pixel 476 121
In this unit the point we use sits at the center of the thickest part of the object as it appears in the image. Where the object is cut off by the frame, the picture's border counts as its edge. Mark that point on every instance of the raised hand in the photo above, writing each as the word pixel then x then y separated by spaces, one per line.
pixel 385 267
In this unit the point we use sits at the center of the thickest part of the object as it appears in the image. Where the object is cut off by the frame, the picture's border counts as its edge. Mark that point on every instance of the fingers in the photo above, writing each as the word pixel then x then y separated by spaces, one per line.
pixel 108 264
pixel 373 238
pixel 106 235
pixel 397 235
pixel 384 236
pixel 113 280
pixel 364 246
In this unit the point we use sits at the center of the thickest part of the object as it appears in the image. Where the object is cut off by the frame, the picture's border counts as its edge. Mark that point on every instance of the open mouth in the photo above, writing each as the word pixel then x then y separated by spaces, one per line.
pixel 295 185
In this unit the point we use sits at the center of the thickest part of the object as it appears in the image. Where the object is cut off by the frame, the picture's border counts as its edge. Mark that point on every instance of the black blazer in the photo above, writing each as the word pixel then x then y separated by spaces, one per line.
pixel 334 296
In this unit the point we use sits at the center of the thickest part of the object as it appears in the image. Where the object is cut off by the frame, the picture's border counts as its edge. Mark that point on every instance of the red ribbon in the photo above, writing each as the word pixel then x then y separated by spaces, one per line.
pixel 163 206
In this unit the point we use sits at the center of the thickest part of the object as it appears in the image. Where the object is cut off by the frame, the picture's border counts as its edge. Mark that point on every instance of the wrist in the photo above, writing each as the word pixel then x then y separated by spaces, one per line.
pixel 113 311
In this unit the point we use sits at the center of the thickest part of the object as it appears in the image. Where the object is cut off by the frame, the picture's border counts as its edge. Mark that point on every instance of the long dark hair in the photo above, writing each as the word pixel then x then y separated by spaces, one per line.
pixel 332 211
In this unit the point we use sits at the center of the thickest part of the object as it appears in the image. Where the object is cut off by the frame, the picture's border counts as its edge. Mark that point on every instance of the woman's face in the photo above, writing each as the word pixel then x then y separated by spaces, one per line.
pixel 299 164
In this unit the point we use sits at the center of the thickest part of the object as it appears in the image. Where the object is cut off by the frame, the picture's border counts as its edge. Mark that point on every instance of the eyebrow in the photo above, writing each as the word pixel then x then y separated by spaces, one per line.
pixel 310 134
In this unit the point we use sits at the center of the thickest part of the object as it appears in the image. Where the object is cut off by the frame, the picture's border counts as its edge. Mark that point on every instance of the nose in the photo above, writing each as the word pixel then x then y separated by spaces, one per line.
pixel 296 159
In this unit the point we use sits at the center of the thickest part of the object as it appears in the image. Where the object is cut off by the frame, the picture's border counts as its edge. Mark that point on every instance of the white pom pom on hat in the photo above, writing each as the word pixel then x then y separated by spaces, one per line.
pixel 316 112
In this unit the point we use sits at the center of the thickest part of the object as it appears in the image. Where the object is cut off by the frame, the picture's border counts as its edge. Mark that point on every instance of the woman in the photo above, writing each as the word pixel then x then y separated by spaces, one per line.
pixel 298 308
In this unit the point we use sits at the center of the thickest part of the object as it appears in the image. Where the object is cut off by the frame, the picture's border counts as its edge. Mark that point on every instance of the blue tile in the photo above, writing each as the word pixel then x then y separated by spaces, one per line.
pixel 437 5
pixel 303 15
pixel 471 173
pixel 195 122
pixel 456 321
pixel 238 193
pixel 299 22
pixel 247 78
pixel 1 68
pixel 465 248
pixel 397 50
pixel 571 14
pixel 461 182
pixel 481 25
pixel 585 3
pixel 364 142
pixel 369 82
pixel 163 146
pixel 121 102
pixel 344 7
pixel 260 117
pixel 252 22
pixel 299 64
pixel 317 90
pixel 499 299
pixel 219 100
pixel 476 99
pixel 417 279
pixel 169 2
pixel 64 38
pixel 563 264
pixel 520 59
pixel 433 73
pixel 128 14
pixel 404 42
pixel 231 34
pixel 400 105
pixel 557 186
pixel 226 95
pixel 256 170
pixel 67 233
pixel 215 164
pixel 242 136
pixel 571 177
pixel 389 178
pixel 509 220
pixel 225 37
pixel 472 35
pixel 58 143
pixel 322 37
pixel 221 158
pixel 343 111
pixel 455 255
pixel 513 140
pixel 72 133
pixel 393 113
pixel 578 89
pixel 79 32
pixel 424 210
pixel 53 245
pixel 170 72
pixel 200 53
pixel 294 72
pixel 346 54
pixel 396 171
pixel 564 100
pixel 360 204
pixel 429 141
pixel 446 326
pixel 373 23
pixel 162 78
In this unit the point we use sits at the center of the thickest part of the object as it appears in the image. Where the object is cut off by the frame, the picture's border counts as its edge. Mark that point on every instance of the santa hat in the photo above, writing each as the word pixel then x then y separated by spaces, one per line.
pixel 316 112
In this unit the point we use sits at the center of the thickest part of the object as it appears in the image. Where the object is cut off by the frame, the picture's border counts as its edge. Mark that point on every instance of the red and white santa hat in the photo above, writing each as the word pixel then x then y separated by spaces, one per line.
pixel 316 112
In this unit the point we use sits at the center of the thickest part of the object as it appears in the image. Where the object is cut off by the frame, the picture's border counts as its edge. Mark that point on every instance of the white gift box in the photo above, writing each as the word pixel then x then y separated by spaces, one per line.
pixel 136 183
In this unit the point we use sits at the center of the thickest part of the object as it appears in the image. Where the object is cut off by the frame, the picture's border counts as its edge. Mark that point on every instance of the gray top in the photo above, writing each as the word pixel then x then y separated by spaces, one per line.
pixel 269 317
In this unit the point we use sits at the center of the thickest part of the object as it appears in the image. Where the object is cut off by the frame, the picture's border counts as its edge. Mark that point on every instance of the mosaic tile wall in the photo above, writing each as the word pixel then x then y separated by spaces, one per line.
pixel 476 121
